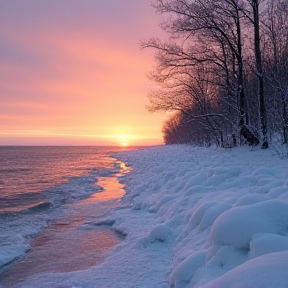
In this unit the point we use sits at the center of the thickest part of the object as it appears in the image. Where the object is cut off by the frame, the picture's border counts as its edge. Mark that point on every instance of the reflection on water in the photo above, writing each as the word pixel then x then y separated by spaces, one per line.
pixel 113 190
pixel 67 244
pixel 34 169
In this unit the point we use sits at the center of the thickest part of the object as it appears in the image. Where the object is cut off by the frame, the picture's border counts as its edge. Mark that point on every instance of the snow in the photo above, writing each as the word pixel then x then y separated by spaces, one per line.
pixel 194 217
pixel 160 233
pixel 262 272
pixel 264 243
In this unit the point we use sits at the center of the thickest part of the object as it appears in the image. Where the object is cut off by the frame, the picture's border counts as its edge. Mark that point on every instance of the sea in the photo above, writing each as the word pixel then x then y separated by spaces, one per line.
pixel 51 194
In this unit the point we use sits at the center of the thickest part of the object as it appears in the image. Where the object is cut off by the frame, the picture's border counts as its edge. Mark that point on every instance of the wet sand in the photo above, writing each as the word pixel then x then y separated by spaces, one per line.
pixel 71 244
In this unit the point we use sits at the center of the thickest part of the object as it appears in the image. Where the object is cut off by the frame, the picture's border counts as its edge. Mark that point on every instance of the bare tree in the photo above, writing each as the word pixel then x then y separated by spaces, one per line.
pixel 211 33
pixel 276 65
pixel 214 71
pixel 180 128
pixel 192 92
pixel 254 17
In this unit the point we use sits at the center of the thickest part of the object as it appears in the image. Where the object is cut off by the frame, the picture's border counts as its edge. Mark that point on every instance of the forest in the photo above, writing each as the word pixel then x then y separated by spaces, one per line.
pixel 222 75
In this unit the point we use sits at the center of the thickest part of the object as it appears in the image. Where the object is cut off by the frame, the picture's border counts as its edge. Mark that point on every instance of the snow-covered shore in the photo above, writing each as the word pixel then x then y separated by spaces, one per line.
pixel 224 214
pixel 195 217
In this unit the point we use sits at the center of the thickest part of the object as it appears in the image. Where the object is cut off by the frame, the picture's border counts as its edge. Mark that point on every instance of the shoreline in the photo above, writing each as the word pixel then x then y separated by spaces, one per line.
pixel 195 217
pixel 67 243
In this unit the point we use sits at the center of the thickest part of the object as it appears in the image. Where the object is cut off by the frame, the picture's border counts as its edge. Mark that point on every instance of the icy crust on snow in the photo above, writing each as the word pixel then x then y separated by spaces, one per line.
pixel 195 217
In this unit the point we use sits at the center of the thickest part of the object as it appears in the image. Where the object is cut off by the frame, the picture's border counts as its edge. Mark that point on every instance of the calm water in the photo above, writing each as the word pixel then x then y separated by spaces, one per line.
pixel 49 195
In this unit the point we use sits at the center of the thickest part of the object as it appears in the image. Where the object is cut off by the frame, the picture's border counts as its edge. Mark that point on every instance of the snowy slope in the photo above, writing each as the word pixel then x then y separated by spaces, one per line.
pixel 224 210
pixel 196 217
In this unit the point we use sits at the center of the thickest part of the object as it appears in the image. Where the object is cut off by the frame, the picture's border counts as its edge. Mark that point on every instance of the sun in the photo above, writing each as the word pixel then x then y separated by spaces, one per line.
pixel 123 139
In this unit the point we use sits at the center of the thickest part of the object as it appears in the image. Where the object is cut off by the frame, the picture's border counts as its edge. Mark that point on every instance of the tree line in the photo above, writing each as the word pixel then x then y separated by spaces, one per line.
pixel 223 72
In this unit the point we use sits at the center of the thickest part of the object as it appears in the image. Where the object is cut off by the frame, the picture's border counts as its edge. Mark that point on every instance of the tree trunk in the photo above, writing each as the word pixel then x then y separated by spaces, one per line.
pixel 249 136
pixel 259 72
pixel 285 121
pixel 244 122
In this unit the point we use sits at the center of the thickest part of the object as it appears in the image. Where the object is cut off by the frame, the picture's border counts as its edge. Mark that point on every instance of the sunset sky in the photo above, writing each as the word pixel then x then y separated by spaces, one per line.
pixel 72 73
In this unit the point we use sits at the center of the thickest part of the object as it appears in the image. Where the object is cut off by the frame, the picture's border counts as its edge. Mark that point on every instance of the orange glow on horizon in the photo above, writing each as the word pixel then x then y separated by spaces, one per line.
pixel 45 137
pixel 84 83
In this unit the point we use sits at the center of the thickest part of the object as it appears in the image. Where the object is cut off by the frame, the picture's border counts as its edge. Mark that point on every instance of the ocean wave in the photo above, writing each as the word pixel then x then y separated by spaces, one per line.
pixel 29 219
pixel 10 170
pixel 39 207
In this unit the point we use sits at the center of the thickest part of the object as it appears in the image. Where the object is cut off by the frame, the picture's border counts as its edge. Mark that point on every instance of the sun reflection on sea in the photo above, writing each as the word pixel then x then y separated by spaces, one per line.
pixel 112 188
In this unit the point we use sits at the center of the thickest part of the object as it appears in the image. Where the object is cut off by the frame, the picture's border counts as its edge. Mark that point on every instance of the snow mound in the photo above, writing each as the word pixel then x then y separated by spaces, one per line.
pixel 186 269
pixel 212 213
pixel 264 272
pixel 237 226
pixel 267 243
pixel 160 233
